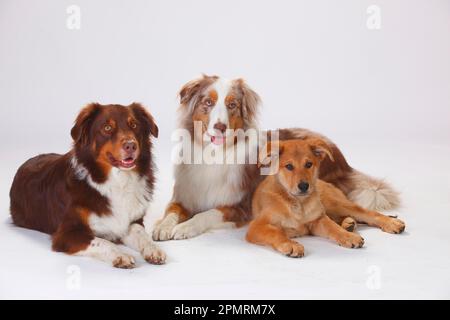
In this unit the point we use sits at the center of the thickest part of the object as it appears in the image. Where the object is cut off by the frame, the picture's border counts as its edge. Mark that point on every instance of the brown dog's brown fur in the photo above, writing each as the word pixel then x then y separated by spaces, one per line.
pixel 281 211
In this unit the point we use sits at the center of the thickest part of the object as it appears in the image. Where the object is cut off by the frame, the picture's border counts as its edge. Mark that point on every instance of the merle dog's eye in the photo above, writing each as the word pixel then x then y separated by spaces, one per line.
pixel 308 164
pixel 107 128
pixel 209 102
pixel 232 105
pixel 290 167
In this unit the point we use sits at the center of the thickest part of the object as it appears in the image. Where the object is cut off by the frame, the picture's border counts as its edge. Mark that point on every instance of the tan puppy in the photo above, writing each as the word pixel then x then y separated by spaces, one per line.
pixel 294 202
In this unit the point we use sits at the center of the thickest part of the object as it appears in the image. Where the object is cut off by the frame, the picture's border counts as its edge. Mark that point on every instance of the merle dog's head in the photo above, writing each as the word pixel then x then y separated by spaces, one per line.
pixel 220 107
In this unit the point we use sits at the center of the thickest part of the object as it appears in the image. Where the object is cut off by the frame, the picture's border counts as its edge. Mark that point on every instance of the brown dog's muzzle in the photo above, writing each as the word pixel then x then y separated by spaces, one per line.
pixel 130 146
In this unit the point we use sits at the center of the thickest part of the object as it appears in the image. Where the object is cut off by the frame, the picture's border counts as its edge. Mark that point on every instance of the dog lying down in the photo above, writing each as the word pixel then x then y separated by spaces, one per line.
pixel 294 202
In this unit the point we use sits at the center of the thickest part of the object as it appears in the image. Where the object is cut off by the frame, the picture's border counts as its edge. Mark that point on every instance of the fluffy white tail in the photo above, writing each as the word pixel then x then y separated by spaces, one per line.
pixel 372 193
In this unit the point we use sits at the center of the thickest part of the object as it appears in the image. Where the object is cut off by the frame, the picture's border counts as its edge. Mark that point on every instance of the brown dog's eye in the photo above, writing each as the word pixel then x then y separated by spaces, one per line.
pixel 107 128
pixel 308 164
pixel 133 125
pixel 208 102
pixel 290 167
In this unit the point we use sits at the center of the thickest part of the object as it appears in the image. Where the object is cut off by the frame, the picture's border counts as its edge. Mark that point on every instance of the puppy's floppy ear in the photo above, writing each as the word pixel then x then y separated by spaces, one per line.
pixel 320 148
pixel 146 118
pixel 250 101
pixel 271 152
pixel 193 87
pixel 80 130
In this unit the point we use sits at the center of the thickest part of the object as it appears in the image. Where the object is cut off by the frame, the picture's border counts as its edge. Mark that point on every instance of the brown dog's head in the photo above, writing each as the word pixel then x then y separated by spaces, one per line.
pixel 107 136
pixel 219 106
pixel 298 163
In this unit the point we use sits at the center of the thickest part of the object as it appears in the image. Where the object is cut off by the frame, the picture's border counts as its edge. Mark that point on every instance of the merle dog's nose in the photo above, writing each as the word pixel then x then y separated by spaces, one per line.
pixel 222 127
pixel 303 186
pixel 129 146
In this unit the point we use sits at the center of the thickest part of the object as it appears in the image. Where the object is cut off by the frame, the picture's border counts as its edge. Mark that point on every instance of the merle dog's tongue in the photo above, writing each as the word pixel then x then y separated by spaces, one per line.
pixel 217 140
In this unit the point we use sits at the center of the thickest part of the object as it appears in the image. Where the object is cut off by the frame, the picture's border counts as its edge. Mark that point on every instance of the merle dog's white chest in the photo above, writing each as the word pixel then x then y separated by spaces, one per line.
pixel 202 187
pixel 128 197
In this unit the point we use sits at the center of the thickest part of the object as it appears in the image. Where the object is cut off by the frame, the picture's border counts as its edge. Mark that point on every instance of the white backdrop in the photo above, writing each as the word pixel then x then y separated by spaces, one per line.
pixel 383 95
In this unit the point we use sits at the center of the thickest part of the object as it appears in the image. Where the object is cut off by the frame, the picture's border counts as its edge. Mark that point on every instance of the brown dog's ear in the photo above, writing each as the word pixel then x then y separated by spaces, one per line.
pixel 320 148
pixel 191 89
pixel 146 118
pixel 80 130
pixel 271 152
pixel 250 102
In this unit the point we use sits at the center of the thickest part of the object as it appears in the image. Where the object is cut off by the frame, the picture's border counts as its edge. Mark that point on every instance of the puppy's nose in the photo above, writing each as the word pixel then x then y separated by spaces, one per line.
pixel 303 186
pixel 220 126
pixel 129 146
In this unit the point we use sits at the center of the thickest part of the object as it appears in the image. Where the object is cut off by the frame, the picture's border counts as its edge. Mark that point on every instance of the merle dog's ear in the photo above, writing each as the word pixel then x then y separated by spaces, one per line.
pixel 80 130
pixel 250 102
pixel 146 118
pixel 191 90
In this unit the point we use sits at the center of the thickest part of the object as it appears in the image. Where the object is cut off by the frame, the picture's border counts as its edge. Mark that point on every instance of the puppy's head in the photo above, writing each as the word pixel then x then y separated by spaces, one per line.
pixel 107 136
pixel 298 163
pixel 219 106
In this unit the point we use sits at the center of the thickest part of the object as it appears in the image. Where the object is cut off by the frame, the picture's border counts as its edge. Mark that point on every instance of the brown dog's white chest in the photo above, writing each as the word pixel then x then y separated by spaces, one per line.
pixel 128 197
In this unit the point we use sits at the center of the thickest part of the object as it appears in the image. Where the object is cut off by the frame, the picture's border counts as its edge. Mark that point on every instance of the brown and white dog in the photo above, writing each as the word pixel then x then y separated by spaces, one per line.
pixel 96 194
pixel 294 202
pixel 208 196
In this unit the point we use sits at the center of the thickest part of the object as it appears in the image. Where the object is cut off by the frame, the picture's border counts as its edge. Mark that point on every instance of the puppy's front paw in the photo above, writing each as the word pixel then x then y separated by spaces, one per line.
pixel 186 230
pixel 392 225
pixel 163 230
pixel 291 249
pixel 350 240
pixel 154 255
pixel 124 261
pixel 349 224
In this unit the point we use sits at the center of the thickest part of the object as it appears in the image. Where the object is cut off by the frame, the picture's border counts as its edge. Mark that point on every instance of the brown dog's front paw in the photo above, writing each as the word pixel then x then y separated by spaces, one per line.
pixel 351 240
pixel 124 261
pixel 291 249
pixel 393 225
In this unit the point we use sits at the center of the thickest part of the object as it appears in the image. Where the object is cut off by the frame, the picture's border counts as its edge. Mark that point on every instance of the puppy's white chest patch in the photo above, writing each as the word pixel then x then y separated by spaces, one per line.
pixel 128 197
pixel 304 213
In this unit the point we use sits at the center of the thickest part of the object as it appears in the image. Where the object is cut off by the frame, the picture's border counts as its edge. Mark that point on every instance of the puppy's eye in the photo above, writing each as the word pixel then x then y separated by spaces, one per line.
pixel 107 128
pixel 133 125
pixel 209 102
pixel 308 164
pixel 290 167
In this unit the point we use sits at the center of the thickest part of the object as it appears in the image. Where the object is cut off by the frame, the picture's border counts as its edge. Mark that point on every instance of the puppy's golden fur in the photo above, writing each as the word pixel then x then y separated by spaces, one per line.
pixel 294 202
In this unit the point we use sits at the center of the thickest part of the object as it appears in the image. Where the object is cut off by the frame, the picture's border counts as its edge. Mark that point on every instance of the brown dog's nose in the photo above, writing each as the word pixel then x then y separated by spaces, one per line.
pixel 129 146
pixel 220 126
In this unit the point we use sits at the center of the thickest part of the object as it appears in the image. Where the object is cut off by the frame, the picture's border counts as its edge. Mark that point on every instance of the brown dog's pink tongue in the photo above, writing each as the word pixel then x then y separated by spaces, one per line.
pixel 217 140
pixel 127 163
